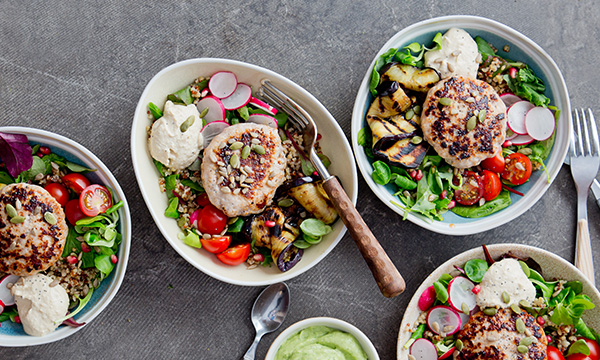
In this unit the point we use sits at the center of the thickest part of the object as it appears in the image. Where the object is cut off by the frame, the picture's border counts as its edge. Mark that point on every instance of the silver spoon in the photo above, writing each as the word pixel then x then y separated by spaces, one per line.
pixel 268 312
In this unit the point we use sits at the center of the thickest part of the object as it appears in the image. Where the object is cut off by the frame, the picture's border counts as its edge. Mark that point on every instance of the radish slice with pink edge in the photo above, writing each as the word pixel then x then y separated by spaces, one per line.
pixel 443 319
pixel 263 106
pixel 510 134
pixel 222 84
pixel 447 354
pixel 240 97
pixel 427 298
pixel 423 349
pixel 5 296
pixel 459 293
pixel 212 129
pixel 539 123
pixel 464 319
pixel 516 116
pixel 263 119
pixel 509 99
pixel 216 110
pixel 522 140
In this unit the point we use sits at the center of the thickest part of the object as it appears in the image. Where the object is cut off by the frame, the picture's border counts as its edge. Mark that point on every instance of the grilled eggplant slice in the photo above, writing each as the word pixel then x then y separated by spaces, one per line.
pixel 410 77
pixel 283 251
pixel 403 153
pixel 314 199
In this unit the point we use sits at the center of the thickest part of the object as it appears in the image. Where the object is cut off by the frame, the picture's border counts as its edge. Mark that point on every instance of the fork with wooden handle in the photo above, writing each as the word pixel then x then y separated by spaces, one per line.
pixel 388 278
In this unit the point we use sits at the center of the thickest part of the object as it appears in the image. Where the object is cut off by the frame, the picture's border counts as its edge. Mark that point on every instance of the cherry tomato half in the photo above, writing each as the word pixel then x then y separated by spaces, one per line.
pixel 594 351
pixel 517 168
pixel 211 220
pixel 76 182
pixel 216 245
pixel 202 200
pixel 73 211
pixel 235 255
pixel 495 164
pixel 554 354
pixel 491 185
pixel 95 199
pixel 471 190
pixel 58 192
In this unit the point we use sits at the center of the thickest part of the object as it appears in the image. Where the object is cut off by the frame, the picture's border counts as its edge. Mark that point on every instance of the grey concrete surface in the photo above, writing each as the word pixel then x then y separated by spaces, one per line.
pixel 78 68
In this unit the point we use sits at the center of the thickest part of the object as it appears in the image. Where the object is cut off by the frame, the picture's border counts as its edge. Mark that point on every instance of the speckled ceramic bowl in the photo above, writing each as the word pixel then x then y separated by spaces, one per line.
pixel 364 341
pixel 553 267
pixel 521 48
pixel 334 145
pixel 12 334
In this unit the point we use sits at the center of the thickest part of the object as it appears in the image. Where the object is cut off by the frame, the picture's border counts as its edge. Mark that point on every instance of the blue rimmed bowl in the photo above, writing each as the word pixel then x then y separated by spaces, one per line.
pixel 521 48
pixel 12 334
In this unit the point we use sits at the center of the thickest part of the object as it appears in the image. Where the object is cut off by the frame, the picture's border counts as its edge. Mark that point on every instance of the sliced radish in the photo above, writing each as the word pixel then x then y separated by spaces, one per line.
pixel 423 349
pixel 263 105
pixel 212 129
pixel 459 293
pixel 509 99
pixel 447 354
pixel 240 97
pixel 464 319
pixel 539 123
pixel 510 134
pixel 443 319
pixel 216 110
pixel 427 298
pixel 5 296
pixel 522 140
pixel 222 84
pixel 263 119
pixel 516 116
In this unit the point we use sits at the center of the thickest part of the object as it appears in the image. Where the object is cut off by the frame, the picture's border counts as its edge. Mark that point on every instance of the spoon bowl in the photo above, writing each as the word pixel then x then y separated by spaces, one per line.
pixel 268 313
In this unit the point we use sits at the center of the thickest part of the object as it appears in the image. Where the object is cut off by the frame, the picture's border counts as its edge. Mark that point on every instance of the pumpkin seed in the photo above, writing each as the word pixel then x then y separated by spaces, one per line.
pixel 11 211
pixel 527 341
pixel 409 114
pixel 520 325
pixel 234 161
pixel 285 202
pixel 482 115
pixel 416 140
pixel 417 109
pixel 465 308
pixel 17 219
pixel 236 145
pixel 524 303
pixel 522 349
pixel 187 123
pixel 204 112
pixel 50 218
pixel 445 101
pixel 259 149
pixel 515 308
pixel 246 152
pixel 458 345
pixel 471 123
pixel 505 297
pixel 18 204
pixel 490 311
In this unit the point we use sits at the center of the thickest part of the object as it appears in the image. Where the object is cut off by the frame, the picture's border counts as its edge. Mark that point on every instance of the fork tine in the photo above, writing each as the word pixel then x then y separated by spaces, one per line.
pixel 587 140
pixel 286 102
pixel 594 133
pixel 579 139
pixel 273 98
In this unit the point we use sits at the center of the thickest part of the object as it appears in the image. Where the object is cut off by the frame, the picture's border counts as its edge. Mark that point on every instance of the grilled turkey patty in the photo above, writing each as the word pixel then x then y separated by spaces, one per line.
pixel 445 126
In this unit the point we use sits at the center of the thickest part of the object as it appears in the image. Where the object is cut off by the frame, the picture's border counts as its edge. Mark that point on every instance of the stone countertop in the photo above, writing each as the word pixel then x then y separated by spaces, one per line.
pixel 77 68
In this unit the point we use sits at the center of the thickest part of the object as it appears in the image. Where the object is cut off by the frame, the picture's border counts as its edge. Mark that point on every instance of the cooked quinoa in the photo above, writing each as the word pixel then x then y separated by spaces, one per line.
pixel 486 73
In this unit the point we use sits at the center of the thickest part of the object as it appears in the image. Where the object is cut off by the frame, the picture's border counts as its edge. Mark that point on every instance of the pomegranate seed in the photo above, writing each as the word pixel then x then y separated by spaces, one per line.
pixel 204 92
pixel 476 289
pixel 419 175
pixel 39 154
pixel 319 137
pixel 507 143
pixel 17 319
pixel 315 173
pixel 549 338
pixel 2 306
pixel 85 247
pixel 541 320
pixel 114 259
pixel 258 257
pixel 451 204
pixel 45 150
pixel 269 223
pixel 413 174
pixel 512 72
pixel 72 259
pixel 443 194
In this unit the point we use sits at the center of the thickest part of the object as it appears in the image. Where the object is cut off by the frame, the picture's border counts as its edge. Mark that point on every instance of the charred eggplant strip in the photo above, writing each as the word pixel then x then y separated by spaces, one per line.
pixel 410 77
pixel 314 199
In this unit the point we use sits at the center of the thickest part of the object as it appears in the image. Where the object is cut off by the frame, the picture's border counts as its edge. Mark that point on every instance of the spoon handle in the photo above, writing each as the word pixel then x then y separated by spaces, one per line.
pixel 249 355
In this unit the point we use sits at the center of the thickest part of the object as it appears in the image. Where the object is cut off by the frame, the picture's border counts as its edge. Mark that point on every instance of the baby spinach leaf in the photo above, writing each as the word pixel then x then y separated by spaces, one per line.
pixel 5 178
pixel 78 168
pixel 192 185
pixel 155 111
pixel 475 269
pixel 385 58
pixel 579 347
pixel 441 293
pixel 182 96
pixel 484 48
pixel 490 207
pixel 171 210
pixel 381 173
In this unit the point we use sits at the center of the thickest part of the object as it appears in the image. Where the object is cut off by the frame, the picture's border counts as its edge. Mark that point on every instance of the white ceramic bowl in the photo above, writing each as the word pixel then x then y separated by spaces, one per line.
pixel 522 49
pixel 12 334
pixel 553 267
pixel 334 145
pixel 338 324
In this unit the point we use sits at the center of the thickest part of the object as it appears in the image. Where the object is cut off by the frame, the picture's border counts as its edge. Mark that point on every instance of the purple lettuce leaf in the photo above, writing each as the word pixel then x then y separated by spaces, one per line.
pixel 15 152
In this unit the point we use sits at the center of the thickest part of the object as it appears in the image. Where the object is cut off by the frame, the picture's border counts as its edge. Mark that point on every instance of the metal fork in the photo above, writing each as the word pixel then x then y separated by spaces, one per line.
pixel 388 278
pixel 585 159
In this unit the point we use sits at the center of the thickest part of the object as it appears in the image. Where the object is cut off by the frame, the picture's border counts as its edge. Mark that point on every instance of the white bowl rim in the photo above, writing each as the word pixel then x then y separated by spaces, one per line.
pixel 335 323
pixel 470 254
pixel 141 109
pixel 124 248
pixel 489 222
